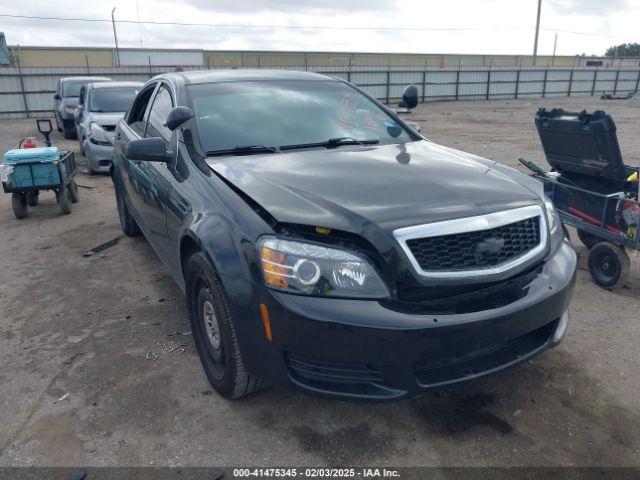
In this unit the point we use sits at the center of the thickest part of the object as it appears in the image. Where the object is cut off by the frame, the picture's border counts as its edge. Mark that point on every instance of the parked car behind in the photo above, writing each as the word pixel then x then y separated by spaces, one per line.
pixel 325 245
pixel 65 101
pixel 101 106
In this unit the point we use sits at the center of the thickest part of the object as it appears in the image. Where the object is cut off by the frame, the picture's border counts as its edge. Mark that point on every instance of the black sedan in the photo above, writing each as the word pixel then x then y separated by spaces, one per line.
pixel 323 243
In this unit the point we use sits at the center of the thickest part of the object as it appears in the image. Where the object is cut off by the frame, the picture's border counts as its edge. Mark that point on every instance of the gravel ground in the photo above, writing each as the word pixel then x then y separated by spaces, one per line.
pixel 108 330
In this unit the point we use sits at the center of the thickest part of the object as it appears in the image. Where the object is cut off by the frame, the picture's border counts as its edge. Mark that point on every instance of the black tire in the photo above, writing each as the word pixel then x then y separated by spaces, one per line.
pixel 81 146
pixel 69 131
pixel 90 171
pixel 221 359
pixel 33 198
pixel 55 115
pixel 588 239
pixel 64 200
pixel 73 190
pixel 127 222
pixel 608 264
pixel 19 204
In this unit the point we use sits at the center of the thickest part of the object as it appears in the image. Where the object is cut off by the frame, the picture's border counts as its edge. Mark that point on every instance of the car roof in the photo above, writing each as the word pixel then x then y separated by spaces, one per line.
pixel 107 85
pixel 234 75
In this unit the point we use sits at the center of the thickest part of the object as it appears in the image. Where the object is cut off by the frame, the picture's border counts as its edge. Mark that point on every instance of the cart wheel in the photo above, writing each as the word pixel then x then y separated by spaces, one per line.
pixel 19 204
pixel 64 200
pixel 589 240
pixel 73 190
pixel 33 198
pixel 608 264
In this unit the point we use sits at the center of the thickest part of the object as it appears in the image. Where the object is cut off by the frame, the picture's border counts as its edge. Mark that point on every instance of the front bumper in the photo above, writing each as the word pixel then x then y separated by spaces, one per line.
pixel 98 156
pixel 361 349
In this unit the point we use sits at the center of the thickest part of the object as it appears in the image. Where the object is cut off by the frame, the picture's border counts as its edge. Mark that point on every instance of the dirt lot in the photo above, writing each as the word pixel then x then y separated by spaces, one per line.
pixel 109 330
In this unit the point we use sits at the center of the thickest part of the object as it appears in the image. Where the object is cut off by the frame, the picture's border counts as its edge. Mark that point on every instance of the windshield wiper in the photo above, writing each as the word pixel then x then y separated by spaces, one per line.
pixel 332 143
pixel 244 150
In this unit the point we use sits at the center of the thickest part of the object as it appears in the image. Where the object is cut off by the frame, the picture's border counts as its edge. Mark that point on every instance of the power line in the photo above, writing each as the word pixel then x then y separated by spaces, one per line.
pixel 299 27
pixel 217 25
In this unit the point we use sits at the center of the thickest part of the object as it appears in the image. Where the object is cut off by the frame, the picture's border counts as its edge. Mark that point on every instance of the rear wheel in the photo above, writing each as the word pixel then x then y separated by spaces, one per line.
pixel 608 264
pixel 127 222
pixel 588 239
pixel 19 204
pixel 64 200
pixel 214 332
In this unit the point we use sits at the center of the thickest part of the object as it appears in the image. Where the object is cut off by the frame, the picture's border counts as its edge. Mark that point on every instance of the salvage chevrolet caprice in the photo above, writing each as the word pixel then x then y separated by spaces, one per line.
pixel 322 243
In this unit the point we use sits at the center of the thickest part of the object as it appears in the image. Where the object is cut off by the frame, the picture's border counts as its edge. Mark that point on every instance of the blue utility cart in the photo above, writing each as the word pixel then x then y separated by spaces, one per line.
pixel 26 172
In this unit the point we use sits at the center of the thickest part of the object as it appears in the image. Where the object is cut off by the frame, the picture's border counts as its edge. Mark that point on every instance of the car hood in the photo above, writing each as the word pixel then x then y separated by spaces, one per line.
pixel 390 186
pixel 106 118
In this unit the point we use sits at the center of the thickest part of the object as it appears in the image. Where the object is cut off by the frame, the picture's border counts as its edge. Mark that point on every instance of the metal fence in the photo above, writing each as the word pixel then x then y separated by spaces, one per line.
pixel 28 92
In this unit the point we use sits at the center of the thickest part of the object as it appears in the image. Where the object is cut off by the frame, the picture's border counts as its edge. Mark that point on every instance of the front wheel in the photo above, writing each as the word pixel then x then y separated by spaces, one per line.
pixel 608 264
pixel 73 190
pixel 214 332
pixel 33 198
pixel 64 200
pixel 588 239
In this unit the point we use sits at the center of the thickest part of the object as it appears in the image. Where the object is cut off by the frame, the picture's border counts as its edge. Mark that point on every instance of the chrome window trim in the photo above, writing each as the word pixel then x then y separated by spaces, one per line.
pixel 473 224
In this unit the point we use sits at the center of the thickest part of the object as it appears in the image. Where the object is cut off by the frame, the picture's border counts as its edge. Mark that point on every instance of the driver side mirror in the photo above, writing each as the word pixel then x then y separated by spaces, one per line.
pixel 177 117
pixel 152 149
pixel 56 96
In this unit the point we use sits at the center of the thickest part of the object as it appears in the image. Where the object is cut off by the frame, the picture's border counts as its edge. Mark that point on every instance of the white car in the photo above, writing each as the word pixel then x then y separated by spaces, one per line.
pixel 100 107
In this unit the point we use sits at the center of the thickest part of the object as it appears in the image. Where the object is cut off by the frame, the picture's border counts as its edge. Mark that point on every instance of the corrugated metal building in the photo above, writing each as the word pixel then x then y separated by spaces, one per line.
pixel 108 57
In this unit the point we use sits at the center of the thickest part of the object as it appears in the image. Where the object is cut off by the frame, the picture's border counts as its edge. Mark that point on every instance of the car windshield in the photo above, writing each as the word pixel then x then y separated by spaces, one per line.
pixel 112 99
pixel 288 113
pixel 71 88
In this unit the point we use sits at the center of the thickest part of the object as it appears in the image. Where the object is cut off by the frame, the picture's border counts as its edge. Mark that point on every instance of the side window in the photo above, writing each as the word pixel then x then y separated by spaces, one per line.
pixel 136 118
pixel 161 107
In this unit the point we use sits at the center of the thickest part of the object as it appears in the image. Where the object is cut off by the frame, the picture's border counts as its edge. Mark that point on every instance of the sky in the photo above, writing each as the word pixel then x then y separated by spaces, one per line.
pixel 412 26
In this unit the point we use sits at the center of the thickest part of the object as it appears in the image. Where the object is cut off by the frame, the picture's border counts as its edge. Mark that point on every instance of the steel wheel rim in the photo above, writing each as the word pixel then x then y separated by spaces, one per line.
pixel 212 328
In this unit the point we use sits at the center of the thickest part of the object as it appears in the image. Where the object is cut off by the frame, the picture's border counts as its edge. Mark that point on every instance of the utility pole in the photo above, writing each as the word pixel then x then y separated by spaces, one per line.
pixel 535 41
pixel 115 36
pixel 555 44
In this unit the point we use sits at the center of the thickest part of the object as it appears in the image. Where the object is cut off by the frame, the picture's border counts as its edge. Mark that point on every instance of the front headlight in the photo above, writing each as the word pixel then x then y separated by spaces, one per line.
pixel 552 215
pixel 98 135
pixel 307 268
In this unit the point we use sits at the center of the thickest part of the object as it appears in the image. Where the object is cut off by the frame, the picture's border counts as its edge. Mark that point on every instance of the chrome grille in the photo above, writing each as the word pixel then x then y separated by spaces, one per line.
pixel 482 245
pixel 473 250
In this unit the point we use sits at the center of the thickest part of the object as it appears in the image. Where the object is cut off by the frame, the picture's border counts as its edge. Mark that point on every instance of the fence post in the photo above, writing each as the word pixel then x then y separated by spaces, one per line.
pixel 86 60
pixel 544 83
pixel 24 94
pixel 595 78
pixel 488 83
pixel 457 83
pixel 615 85
pixel 424 84
pixel 570 82
pixel 638 81
pixel 388 84
pixel 517 83
pixel 149 59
